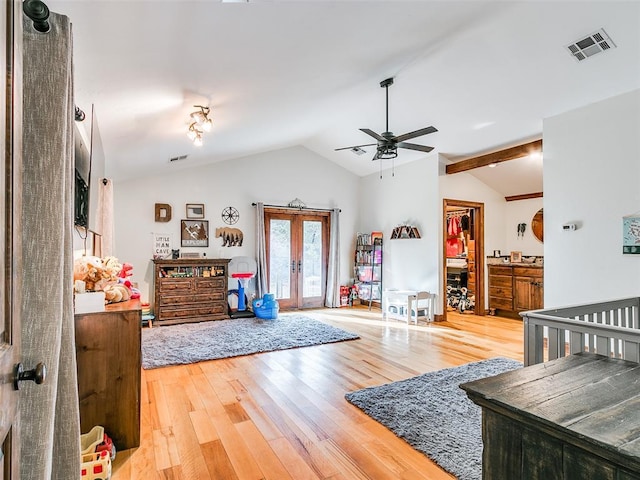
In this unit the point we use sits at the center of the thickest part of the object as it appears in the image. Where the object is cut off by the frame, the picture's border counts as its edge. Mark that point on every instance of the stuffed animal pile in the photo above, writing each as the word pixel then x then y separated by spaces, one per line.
pixel 96 274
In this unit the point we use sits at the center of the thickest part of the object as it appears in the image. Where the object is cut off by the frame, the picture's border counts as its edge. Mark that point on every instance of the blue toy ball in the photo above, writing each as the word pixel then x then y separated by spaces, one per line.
pixel 266 307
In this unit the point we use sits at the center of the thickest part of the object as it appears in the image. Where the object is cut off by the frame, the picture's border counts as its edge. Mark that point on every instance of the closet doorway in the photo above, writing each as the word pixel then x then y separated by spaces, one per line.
pixel 463 252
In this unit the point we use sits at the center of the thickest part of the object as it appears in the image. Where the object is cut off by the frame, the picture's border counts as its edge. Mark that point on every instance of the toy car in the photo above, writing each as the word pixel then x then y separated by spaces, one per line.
pixel 97 441
pixel 96 466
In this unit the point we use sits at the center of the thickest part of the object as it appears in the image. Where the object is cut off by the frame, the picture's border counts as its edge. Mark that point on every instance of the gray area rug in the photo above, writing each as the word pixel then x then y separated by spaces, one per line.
pixel 196 342
pixel 434 415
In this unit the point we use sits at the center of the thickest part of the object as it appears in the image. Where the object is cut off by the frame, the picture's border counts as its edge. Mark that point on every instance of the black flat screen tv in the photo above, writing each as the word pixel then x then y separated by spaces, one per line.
pixel 89 170
pixel 82 159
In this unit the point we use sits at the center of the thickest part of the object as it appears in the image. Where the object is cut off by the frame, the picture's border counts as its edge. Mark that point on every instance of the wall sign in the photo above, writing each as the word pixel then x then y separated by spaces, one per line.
pixel 161 245
pixel 163 212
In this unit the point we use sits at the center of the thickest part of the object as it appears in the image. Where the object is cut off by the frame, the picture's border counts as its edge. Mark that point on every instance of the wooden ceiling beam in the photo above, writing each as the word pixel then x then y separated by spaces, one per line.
pixel 505 155
pixel 524 196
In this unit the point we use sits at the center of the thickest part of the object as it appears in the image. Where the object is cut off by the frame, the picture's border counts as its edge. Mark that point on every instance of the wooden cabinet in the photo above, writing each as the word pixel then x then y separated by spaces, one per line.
pixel 109 361
pixel 500 288
pixel 535 427
pixel 528 288
pixel 190 290
pixel 514 289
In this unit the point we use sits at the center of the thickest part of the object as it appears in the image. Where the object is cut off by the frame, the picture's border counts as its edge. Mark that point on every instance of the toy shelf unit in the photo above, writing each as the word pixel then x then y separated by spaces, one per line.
pixel 368 268
pixel 190 290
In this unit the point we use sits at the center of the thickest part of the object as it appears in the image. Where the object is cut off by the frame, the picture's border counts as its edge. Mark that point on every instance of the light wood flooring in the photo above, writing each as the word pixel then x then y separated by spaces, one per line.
pixel 282 415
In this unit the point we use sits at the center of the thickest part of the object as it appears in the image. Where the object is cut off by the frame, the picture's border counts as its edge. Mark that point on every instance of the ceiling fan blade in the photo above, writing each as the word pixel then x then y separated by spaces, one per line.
pixel 413 146
pixel 373 134
pixel 417 133
pixel 356 146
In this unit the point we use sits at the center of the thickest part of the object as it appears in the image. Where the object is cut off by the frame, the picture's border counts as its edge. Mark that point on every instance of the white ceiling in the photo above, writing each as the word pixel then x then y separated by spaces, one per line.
pixel 280 74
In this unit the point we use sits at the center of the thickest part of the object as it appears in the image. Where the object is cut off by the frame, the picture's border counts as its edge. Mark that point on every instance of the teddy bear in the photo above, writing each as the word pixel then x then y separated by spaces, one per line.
pixel 91 271
pixel 108 274
pixel 116 292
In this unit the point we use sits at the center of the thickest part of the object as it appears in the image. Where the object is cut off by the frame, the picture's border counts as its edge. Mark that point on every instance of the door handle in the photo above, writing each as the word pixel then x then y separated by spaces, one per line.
pixel 299 266
pixel 37 375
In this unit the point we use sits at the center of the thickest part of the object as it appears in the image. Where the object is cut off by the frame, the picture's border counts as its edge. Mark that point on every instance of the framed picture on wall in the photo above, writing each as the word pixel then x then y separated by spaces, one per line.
pixel 194 233
pixel 516 257
pixel 195 210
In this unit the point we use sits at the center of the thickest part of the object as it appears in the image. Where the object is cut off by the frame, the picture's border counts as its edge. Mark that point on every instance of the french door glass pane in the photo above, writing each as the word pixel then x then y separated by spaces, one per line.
pixel 312 259
pixel 280 258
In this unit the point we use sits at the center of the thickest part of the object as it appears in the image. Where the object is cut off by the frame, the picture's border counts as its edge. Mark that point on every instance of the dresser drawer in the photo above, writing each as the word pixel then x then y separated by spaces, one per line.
pixel 501 281
pixel 527 272
pixel 167 313
pixel 498 302
pixel 499 270
pixel 174 299
pixel 212 296
pixel 502 292
pixel 175 284
pixel 212 282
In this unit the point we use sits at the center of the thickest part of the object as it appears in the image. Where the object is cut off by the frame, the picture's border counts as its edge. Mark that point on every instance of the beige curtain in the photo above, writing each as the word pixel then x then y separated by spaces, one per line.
pixel 262 286
pixel 332 297
pixel 49 414
pixel 105 215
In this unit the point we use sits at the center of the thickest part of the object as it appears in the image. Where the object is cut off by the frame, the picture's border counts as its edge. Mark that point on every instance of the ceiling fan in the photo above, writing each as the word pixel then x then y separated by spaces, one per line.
pixel 388 143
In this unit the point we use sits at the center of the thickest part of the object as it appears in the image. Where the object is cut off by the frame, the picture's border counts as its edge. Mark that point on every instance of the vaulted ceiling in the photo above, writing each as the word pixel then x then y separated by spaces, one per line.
pixel 279 74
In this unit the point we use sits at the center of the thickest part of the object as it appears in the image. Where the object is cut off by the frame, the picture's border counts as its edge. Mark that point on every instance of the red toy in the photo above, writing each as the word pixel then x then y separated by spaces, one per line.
pixel 125 273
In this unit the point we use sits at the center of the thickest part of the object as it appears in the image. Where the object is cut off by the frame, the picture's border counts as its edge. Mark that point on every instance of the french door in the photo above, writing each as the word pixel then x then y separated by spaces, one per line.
pixel 10 234
pixel 297 245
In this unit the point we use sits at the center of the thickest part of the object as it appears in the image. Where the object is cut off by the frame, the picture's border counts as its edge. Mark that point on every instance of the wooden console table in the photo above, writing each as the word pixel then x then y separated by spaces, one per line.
pixel 109 362
pixel 574 418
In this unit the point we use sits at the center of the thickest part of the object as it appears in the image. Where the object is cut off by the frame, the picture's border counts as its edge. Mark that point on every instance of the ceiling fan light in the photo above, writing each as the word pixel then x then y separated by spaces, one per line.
pixel 193 131
pixel 387 153
pixel 206 125
pixel 197 141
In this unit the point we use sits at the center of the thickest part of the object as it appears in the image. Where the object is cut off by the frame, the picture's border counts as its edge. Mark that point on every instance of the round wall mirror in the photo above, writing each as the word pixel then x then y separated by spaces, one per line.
pixel 537 225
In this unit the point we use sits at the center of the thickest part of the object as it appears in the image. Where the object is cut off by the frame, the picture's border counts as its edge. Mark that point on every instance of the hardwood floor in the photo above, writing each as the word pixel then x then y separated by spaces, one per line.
pixel 282 415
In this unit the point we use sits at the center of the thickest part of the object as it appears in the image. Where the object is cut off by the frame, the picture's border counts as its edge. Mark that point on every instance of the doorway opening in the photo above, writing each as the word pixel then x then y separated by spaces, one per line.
pixel 297 248
pixel 463 257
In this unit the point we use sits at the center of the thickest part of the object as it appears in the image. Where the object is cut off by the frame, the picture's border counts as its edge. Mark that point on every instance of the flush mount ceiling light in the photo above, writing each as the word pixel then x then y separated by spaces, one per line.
pixel 200 123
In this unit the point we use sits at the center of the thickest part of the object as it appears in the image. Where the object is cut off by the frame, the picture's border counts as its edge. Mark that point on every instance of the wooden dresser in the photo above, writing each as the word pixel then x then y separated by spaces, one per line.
pixel 109 361
pixel 515 288
pixel 190 290
pixel 574 418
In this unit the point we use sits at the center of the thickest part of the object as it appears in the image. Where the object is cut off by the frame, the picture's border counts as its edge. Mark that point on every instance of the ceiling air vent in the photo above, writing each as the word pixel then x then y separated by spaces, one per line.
pixel 180 157
pixel 590 45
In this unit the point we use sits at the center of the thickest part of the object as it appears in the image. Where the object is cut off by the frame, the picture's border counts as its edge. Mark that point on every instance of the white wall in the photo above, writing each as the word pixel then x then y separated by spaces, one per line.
pixel 521 211
pixel 464 186
pixel 273 178
pixel 591 177
pixel 410 196
pixel 414 195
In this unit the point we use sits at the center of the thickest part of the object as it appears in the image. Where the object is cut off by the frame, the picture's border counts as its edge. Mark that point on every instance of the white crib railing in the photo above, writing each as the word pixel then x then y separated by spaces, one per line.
pixel 608 328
